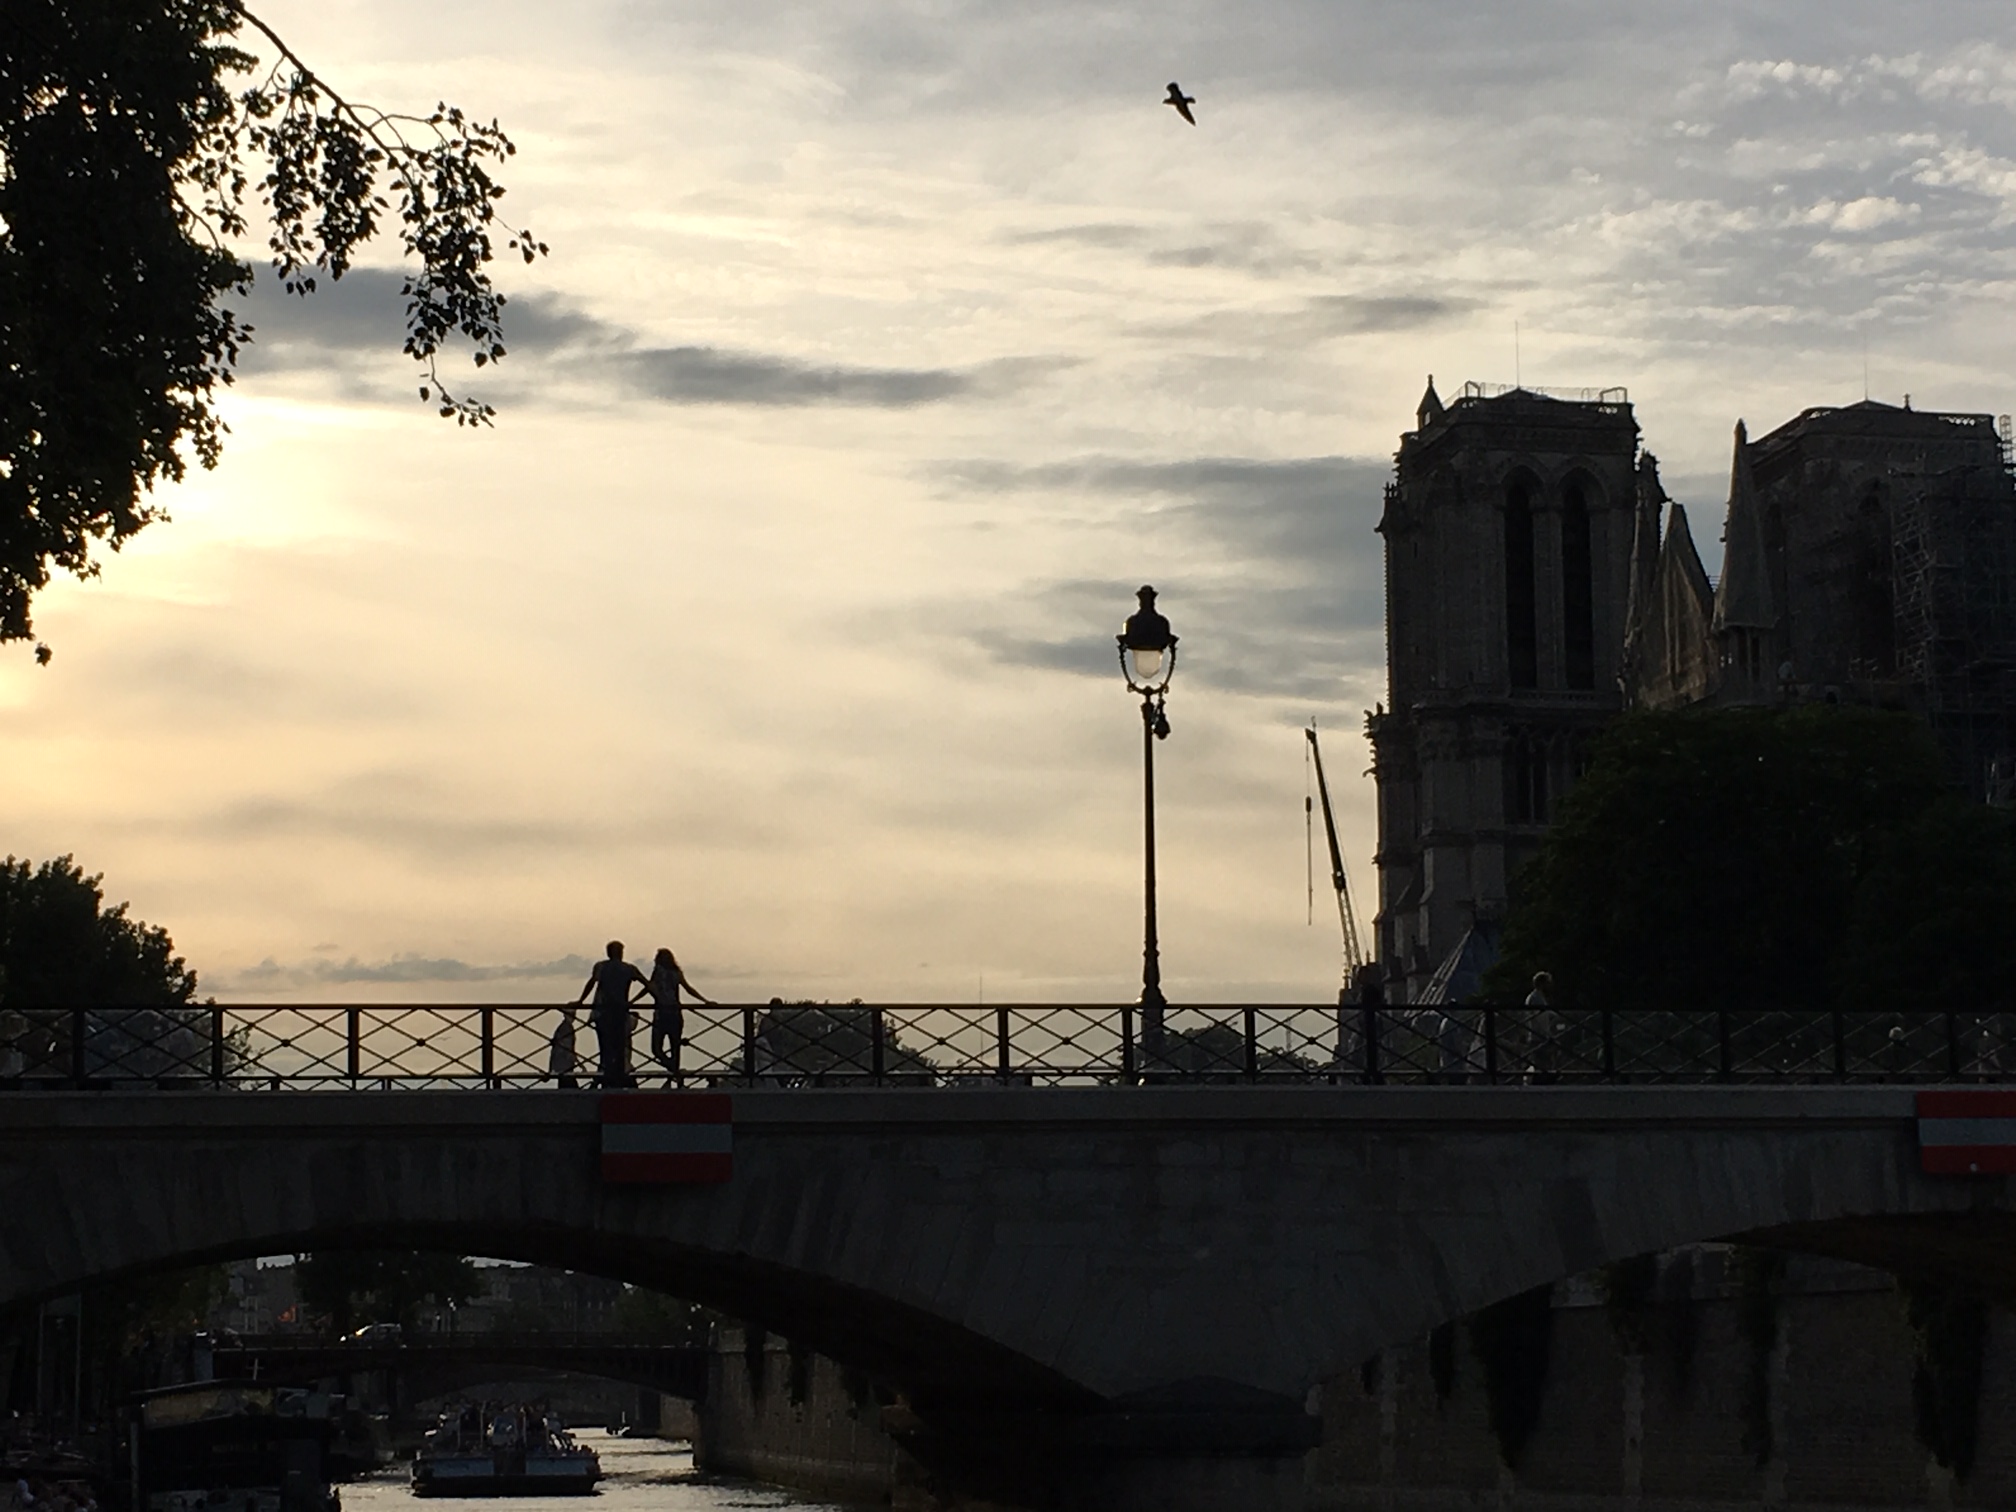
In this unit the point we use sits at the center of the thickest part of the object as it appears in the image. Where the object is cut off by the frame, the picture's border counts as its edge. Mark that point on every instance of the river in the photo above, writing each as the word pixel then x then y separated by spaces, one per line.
pixel 638 1475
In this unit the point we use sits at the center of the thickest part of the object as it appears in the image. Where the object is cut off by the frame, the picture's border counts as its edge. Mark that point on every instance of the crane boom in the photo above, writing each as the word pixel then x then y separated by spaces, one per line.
pixel 1354 957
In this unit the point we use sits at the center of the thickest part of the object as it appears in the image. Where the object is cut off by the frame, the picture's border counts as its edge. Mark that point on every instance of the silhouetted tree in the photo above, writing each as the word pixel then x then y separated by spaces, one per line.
pixel 1217 1052
pixel 644 1316
pixel 61 949
pixel 1930 919
pixel 829 1041
pixel 1740 858
pixel 128 144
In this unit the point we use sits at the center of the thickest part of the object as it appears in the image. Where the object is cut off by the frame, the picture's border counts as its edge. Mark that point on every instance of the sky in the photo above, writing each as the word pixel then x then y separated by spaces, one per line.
pixel 883 350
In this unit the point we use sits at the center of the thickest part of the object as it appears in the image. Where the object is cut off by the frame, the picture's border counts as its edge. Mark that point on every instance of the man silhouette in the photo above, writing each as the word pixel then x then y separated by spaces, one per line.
pixel 609 983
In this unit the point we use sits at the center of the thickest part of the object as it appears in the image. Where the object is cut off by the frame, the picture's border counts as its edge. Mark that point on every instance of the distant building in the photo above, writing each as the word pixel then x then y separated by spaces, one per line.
pixel 1538 581
pixel 536 1299
pixel 257 1299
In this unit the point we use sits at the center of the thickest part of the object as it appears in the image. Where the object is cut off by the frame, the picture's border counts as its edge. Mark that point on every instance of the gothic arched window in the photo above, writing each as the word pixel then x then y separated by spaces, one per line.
pixel 1525 778
pixel 1522 641
pixel 1578 595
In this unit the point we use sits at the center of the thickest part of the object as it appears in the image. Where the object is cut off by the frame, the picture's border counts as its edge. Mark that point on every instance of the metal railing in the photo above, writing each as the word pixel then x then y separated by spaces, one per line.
pixel 1614 397
pixel 497 1045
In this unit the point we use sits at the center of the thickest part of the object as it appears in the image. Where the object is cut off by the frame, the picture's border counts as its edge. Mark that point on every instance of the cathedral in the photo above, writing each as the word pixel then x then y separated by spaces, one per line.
pixel 1539 582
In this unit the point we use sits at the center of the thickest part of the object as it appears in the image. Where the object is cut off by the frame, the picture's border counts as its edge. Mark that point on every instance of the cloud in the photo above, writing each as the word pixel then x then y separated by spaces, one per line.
pixel 1097 234
pixel 708 375
pixel 401 970
pixel 358 321
pixel 1864 214
pixel 1282 592
pixel 1319 318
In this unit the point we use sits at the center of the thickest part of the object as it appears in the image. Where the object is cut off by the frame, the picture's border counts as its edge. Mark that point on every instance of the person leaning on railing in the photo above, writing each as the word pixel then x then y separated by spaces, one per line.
pixel 609 983
pixel 668 1020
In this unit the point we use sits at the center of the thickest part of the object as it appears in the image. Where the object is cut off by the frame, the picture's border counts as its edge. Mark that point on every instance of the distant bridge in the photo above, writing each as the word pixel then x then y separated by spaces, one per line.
pixel 674 1369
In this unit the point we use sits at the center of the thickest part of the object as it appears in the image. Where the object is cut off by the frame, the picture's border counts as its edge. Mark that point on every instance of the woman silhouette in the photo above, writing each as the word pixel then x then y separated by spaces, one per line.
pixel 668 1021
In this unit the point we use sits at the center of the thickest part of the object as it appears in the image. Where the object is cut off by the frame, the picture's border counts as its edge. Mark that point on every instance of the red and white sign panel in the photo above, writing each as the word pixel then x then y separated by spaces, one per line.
pixel 1967 1133
pixel 667 1136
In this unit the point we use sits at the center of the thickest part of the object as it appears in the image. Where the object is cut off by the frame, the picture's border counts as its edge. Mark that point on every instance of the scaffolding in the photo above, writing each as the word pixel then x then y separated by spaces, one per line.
pixel 1953 565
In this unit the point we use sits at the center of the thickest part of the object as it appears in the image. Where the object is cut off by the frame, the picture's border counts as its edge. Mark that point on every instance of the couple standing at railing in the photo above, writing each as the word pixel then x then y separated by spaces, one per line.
pixel 609 987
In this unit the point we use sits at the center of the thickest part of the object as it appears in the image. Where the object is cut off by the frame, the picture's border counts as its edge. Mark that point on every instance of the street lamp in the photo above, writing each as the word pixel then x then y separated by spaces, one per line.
pixel 1147 662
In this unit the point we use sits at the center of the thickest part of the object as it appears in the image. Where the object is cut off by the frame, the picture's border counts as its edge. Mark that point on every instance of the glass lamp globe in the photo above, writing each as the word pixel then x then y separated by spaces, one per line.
pixel 1147 646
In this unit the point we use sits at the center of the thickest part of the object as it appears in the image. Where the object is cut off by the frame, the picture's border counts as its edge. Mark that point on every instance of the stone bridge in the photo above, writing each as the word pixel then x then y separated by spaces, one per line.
pixel 1134 1290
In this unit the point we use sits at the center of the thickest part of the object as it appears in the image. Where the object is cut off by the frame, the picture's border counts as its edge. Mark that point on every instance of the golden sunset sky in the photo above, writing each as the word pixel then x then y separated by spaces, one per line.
pixel 883 350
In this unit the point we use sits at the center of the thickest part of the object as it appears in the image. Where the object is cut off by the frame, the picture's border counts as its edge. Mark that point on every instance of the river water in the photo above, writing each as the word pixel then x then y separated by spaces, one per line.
pixel 638 1475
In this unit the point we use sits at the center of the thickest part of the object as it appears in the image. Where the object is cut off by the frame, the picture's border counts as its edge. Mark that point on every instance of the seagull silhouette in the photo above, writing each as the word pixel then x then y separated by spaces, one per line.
pixel 1182 102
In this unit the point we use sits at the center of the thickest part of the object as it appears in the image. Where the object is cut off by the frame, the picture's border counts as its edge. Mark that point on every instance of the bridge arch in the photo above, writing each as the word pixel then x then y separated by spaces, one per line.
pixel 1057 1251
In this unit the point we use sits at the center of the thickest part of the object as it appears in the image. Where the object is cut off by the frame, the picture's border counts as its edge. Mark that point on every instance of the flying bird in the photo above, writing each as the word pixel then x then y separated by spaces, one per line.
pixel 1182 102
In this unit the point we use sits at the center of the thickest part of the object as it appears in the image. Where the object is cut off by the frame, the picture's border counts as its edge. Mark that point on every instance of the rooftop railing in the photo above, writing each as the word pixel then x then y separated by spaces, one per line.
pixel 278 1048
pixel 1611 398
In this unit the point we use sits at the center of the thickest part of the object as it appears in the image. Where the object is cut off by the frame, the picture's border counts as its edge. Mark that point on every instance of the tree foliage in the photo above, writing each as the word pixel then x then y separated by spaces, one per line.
pixel 1758 860
pixel 1930 917
pixel 61 947
pixel 120 1316
pixel 644 1316
pixel 828 1040
pixel 349 1287
pixel 132 133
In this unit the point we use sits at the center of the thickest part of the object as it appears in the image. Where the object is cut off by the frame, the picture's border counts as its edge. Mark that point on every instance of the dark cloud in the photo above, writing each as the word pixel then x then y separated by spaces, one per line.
pixel 401 969
pixel 1097 234
pixel 1325 315
pixel 1255 249
pixel 1247 246
pixel 708 375
pixel 360 312
pixel 1292 605
pixel 1357 314
pixel 1240 631
pixel 359 320
pixel 411 971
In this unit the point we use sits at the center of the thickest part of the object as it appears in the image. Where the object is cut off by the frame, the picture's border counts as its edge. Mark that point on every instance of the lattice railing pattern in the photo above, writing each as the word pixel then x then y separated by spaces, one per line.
pixel 418 1046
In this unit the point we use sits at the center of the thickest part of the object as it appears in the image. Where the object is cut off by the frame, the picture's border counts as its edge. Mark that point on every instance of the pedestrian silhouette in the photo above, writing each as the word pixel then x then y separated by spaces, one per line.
pixel 668 1020
pixel 609 983
pixel 560 1057
pixel 1371 1012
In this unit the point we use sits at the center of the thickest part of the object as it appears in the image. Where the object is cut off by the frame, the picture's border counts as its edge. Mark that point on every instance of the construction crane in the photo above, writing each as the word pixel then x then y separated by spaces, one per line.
pixel 1354 956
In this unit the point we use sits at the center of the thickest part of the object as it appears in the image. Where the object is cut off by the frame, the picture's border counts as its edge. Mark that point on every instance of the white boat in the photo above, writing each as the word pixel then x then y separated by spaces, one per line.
pixel 502 1450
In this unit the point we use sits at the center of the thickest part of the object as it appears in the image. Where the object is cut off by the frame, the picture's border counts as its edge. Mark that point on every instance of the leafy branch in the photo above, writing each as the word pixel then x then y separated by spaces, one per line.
pixel 128 151
pixel 321 189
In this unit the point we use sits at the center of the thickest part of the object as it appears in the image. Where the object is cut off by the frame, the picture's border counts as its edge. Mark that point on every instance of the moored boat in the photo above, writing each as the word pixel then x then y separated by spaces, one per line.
pixel 225 1446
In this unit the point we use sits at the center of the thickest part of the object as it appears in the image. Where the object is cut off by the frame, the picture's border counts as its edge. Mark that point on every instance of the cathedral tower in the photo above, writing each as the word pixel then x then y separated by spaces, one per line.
pixel 1509 529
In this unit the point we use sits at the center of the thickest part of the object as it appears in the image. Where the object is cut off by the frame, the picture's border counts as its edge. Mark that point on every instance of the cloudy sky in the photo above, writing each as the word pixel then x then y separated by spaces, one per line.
pixel 884 348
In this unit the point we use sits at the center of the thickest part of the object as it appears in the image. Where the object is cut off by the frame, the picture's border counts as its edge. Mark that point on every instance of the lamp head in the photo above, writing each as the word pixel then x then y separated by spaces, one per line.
pixel 1147 647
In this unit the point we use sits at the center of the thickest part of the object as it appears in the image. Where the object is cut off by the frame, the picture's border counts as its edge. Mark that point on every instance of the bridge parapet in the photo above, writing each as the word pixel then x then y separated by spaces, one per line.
pixel 486 1045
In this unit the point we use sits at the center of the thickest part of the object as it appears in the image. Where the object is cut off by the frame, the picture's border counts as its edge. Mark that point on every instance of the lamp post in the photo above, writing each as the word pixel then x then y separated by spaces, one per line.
pixel 1147 662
